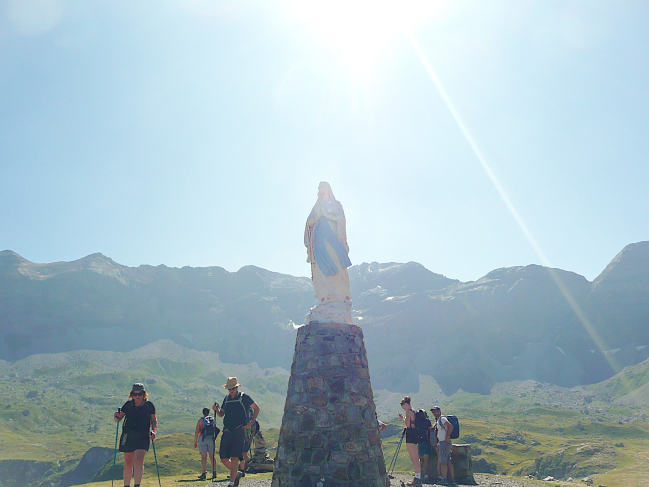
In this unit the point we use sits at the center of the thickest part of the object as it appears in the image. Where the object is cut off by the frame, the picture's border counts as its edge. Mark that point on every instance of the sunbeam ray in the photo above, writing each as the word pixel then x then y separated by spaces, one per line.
pixel 581 316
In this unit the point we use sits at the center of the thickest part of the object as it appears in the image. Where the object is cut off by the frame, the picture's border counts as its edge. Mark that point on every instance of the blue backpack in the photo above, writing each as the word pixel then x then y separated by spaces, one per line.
pixel 210 430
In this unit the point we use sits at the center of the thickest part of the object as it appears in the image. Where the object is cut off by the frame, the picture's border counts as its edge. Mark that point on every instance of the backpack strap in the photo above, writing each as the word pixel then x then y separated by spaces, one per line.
pixel 238 399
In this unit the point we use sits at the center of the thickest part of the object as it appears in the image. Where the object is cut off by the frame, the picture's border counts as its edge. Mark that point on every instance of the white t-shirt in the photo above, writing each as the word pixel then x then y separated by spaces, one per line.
pixel 441 431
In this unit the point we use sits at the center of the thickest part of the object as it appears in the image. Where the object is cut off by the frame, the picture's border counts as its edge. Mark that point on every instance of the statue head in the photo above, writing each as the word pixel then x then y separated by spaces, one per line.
pixel 324 192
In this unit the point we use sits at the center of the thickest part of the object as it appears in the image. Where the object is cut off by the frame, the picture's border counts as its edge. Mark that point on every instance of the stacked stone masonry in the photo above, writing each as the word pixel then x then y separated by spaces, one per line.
pixel 329 430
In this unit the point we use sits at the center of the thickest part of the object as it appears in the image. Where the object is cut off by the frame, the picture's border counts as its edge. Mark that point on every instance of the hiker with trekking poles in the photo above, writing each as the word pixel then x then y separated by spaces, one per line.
pixel 412 438
pixel 234 411
pixel 204 440
pixel 138 430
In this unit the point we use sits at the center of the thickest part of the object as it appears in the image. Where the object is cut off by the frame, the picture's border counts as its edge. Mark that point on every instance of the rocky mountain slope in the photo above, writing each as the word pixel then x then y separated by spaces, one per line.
pixel 95 303
pixel 518 323
pixel 514 324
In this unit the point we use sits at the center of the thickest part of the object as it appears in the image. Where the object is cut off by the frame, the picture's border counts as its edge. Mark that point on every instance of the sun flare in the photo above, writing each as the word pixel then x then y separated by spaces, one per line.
pixel 361 30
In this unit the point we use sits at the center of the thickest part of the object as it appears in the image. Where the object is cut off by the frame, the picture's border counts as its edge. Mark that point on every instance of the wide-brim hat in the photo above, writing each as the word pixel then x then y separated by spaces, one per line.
pixel 138 386
pixel 231 383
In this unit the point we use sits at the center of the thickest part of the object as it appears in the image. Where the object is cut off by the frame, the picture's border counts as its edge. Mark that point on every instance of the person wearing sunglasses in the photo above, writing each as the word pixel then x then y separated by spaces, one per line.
pixel 138 430
pixel 239 413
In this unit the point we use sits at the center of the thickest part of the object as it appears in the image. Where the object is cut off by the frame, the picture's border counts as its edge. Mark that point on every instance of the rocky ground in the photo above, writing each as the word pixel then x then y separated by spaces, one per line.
pixel 484 480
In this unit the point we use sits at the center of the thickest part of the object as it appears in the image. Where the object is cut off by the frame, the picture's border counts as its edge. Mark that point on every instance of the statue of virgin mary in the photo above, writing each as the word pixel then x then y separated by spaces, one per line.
pixel 325 237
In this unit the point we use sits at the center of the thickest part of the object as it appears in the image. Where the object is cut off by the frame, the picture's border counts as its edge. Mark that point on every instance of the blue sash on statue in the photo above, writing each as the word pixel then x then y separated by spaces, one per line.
pixel 322 233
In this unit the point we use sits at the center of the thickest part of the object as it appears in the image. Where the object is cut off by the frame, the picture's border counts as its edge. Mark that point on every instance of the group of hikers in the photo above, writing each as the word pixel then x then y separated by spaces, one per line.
pixel 240 430
pixel 423 437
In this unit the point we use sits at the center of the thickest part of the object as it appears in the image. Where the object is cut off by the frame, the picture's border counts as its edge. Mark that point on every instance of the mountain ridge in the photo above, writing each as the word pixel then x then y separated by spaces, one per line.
pixel 512 324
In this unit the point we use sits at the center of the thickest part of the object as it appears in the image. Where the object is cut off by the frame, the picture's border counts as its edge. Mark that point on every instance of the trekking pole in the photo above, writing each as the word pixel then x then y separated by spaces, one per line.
pixel 112 480
pixel 393 463
pixel 394 458
pixel 156 462
pixel 213 457
pixel 215 461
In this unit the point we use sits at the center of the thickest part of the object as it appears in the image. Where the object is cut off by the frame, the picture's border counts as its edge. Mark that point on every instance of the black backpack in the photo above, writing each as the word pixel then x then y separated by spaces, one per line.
pixel 422 425
pixel 210 429
pixel 239 399
pixel 456 426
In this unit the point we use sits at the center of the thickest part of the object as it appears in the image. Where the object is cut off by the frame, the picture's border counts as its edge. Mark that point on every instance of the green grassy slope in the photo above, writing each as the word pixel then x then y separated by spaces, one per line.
pixel 536 429
pixel 629 388
pixel 54 407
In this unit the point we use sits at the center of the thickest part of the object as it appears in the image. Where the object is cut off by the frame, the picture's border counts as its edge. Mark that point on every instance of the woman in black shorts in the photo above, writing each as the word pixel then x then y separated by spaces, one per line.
pixel 411 438
pixel 140 425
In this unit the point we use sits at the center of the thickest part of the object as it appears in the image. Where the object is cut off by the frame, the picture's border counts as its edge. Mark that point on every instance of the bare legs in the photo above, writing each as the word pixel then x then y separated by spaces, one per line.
pixel 134 466
pixel 447 468
pixel 232 465
pixel 414 456
pixel 204 461
pixel 424 461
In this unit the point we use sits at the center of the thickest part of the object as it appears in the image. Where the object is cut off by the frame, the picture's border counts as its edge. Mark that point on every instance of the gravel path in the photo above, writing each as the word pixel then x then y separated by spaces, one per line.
pixel 495 480
pixel 484 480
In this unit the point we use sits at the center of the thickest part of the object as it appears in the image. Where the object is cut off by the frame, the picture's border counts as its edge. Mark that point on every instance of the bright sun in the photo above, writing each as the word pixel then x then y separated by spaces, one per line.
pixel 360 30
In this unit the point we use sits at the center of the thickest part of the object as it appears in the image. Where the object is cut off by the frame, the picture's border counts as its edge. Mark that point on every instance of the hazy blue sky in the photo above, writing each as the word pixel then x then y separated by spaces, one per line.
pixel 196 132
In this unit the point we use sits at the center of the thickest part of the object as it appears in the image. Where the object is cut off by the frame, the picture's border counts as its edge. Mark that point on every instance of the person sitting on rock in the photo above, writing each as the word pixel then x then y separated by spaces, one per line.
pixel 260 461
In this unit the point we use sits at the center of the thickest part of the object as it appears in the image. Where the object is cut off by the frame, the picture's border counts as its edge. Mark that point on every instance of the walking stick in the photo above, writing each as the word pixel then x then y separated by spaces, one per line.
pixel 213 459
pixel 112 480
pixel 156 463
pixel 393 463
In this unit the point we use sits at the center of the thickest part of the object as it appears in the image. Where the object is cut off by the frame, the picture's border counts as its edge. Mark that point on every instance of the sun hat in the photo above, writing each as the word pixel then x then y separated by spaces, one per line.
pixel 231 383
pixel 138 386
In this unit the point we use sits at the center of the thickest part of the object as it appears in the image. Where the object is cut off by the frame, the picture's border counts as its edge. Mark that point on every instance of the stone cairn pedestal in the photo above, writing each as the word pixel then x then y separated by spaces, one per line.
pixel 329 432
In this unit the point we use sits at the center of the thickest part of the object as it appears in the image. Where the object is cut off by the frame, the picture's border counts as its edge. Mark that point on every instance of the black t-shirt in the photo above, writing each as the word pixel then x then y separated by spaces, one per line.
pixel 138 419
pixel 236 410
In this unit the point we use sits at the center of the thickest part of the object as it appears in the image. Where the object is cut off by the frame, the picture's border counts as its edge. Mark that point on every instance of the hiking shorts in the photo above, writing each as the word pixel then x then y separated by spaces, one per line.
pixel 205 444
pixel 232 444
pixel 425 448
pixel 134 440
pixel 411 435
pixel 444 452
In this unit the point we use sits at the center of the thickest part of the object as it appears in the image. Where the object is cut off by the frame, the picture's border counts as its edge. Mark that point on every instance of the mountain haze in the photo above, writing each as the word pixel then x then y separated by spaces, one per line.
pixel 518 323
pixel 95 303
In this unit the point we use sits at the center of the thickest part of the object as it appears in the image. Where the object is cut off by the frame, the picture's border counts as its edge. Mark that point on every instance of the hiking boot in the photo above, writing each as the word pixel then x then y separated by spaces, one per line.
pixel 236 481
pixel 202 476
